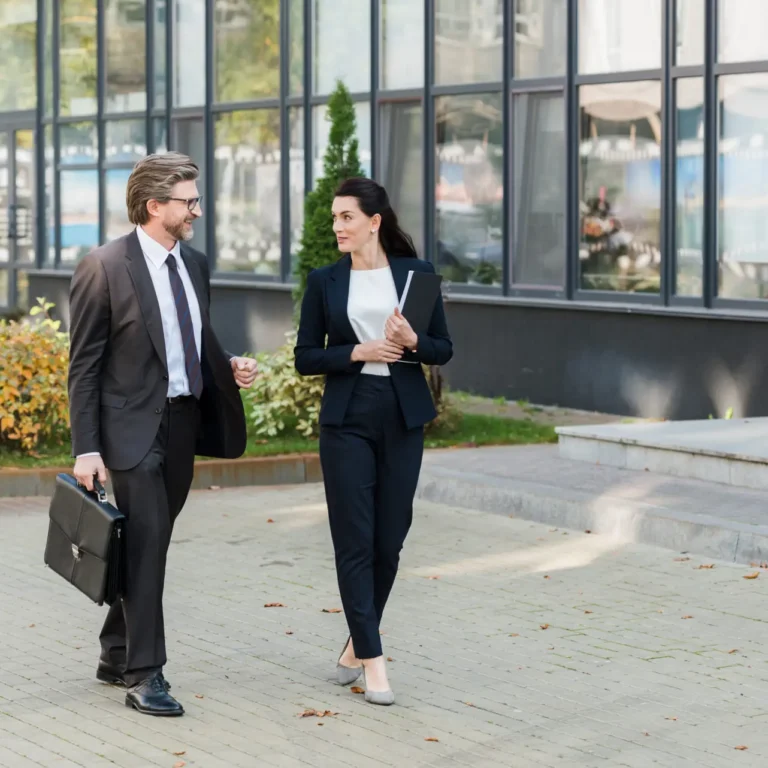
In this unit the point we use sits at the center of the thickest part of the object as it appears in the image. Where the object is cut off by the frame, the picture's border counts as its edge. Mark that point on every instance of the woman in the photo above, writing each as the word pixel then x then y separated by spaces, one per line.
pixel 373 412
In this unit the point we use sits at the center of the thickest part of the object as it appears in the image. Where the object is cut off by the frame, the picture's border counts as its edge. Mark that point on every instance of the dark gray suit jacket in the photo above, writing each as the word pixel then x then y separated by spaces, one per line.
pixel 118 375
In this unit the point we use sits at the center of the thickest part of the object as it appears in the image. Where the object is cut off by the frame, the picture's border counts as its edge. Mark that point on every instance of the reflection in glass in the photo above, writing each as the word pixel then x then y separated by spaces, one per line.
pixel 77 57
pixel 296 179
pixel 5 195
pixel 48 63
pixel 79 214
pixel 620 187
pixel 246 49
pixel 18 59
pixel 540 38
pixel 619 35
pixel 689 194
pixel 49 250
pixel 125 23
pixel 539 166
pixel 116 180
pixel 4 288
pixel 189 138
pixel 188 53
pixel 341 44
pixel 321 127
pixel 25 196
pixel 160 135
pixel 402 159
pixel 469 41
pixel 742 184
pixel 296 53
pixel 469 192
pixel 402 44
pixel 742 26
pixel 125 141
pixel 247 177
pixel 79 143
pixel 22 290
pixel 160 58
pixel 689 45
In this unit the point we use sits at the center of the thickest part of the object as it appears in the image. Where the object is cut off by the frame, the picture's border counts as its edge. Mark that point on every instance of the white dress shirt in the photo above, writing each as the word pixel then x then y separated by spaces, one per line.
pixel 372 299
pixel 156 256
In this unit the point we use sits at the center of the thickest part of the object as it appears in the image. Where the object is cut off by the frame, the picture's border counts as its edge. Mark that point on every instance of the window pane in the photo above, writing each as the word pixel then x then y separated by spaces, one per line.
pixel 402 44
pixel 79 143
pixel 18 39
pixel 689 195
pixel 296 224
pixel 619 35
pixel 742 27
pixel 126 55
pixel 620 170
pixel 160 132
pixel 246 49
pixel 117 214
pixel 126 141
pixel 49 250
pixel 248 192
pixel 742 182
pixel 25 195
pixel 402 162
pixel 296 30
pixel 189 53
pixel 189 138
pixel 48 65
pixel 689 46
pixel 538 255
pixel 321 127
pixel 77 57
pixel 540 38
pixel 5 198
pixel 336 23
pixel 469 38
pixel 79 214
pixel 4 288
pixel 160 48
pixel 469 190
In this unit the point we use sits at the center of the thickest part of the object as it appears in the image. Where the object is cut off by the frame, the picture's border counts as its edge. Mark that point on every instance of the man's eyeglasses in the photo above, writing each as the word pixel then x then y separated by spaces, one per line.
pixel 192 202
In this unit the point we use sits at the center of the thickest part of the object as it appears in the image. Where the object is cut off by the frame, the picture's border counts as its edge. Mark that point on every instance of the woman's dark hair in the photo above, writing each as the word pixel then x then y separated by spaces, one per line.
pixel 372 199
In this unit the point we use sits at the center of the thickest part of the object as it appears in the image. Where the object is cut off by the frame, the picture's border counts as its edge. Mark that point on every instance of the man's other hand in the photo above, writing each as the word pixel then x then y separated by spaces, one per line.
pixel 244 369
pixel 88 466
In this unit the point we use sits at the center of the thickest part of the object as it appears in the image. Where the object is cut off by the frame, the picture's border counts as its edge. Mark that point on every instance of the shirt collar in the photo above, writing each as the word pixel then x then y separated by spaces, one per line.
pixel 154 252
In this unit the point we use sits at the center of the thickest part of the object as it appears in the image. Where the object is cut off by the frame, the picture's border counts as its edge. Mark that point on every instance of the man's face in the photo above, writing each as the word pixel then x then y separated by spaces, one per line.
pixel 176 215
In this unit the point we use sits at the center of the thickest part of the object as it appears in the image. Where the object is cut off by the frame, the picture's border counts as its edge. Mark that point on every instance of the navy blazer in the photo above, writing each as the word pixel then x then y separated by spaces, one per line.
pixel 324 314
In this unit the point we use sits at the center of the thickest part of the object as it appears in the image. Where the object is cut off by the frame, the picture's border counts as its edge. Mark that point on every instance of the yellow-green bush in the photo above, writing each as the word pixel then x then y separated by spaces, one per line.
pixel 33 382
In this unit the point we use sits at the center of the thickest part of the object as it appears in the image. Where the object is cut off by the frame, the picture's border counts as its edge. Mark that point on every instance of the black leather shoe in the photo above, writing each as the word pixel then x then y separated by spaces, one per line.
pixel 113 676
pixel 150 697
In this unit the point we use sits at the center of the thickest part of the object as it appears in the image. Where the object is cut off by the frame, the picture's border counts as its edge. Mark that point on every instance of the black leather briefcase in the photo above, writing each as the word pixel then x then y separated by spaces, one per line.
pixel 85 540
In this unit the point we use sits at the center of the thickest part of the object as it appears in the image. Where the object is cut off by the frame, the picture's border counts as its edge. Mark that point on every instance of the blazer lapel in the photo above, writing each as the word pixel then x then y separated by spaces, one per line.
pixel 399 274
pixel 338 298
pixel 145 292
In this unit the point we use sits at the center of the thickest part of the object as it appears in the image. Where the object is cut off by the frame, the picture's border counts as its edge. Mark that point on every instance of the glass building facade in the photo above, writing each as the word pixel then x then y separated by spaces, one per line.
pixel 569 150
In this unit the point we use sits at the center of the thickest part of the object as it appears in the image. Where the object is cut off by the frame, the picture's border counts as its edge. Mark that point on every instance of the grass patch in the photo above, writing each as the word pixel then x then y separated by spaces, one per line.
pixel 471 429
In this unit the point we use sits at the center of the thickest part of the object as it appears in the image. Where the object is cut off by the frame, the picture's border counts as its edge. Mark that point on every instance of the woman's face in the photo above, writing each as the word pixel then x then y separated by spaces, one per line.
pixel 353 229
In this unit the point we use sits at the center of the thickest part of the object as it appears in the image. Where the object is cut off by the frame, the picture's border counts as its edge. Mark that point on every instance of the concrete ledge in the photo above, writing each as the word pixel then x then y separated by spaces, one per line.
pixel 624 520
pixel 269 470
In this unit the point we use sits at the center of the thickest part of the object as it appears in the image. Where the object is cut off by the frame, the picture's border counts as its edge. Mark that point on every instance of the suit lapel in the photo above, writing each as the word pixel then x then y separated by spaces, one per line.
pixel 145 293
pixel 197 280
pixel 399 274
pixel 338 298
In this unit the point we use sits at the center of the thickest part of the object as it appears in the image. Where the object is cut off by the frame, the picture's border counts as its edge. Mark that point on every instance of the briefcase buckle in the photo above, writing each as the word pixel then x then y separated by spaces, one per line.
pixel 76 552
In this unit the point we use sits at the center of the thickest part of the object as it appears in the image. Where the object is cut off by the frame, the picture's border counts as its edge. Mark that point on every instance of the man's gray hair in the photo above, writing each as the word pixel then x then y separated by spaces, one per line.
pixel 153 178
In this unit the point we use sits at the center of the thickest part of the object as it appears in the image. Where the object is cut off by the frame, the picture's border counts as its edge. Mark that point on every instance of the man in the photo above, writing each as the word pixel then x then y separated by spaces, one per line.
pixel 149 386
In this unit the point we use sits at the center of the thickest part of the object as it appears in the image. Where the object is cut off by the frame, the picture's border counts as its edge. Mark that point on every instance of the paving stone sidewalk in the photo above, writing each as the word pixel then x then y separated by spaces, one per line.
pixel 512 644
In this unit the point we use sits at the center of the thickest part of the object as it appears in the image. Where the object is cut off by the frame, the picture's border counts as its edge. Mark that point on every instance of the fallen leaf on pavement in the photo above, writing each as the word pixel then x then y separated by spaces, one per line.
pixel 469 704
pixel 331 610
pixel 180 753
pixel 544 626
pixel 705 567
pixel 588 531
pixel 682 559
pixel 274 605
pixel 199 696
pixel 317 713
pixel 31 626
pixel 431 738
pixel 357 689
pixel 670 718
pixel 270 520
pixel 687 616
pixel 752 575
pixel 733 650
pixel 546 577
pixel 389 658
pixel 434 578
pixel 741 747
pixel 645 733
pixel 180 764
pixel 588 611
pixel 288 631
pixel 214 487
pixel 321 723
pixel 514 634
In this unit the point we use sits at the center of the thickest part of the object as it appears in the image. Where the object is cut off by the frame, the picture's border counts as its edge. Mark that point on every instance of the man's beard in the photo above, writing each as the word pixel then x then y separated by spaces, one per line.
pixel 178 231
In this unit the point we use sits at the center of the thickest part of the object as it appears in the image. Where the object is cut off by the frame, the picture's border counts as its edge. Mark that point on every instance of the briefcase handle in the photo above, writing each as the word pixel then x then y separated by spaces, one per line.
pixel 98 489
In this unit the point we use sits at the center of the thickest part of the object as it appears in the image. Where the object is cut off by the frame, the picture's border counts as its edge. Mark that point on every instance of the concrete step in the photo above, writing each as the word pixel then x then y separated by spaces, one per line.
pixel 729 451
pixel 536 483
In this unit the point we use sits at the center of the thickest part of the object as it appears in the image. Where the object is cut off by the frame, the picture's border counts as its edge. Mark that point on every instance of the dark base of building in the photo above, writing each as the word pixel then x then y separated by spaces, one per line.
pixel 627 362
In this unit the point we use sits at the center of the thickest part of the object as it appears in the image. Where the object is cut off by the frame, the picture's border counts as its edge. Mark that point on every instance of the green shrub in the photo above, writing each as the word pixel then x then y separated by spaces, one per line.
pixel 34 357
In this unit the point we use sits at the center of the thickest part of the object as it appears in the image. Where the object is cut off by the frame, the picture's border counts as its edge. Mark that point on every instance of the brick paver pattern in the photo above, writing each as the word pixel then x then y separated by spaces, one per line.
pixel 512 644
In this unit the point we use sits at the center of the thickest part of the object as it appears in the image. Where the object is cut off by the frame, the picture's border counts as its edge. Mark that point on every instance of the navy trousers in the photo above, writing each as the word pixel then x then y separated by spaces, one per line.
pixel 371 467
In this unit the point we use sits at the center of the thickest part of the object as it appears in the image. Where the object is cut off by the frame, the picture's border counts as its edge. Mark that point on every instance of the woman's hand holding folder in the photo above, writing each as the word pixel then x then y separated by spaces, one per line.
pixel 398 330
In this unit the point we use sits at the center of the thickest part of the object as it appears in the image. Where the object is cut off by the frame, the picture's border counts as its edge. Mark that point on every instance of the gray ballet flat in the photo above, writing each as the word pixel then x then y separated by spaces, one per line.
pixel 383 698
pixel 347 675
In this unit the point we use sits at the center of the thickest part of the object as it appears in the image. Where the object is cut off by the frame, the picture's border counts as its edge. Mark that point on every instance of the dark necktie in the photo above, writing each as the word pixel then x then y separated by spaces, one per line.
pixel 191 359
